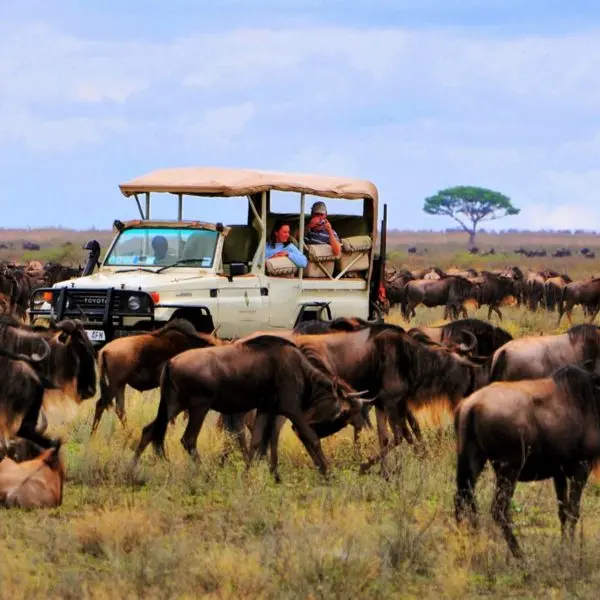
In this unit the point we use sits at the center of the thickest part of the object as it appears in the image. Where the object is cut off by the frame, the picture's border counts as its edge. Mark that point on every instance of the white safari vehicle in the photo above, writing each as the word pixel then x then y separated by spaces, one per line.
pixel 216 275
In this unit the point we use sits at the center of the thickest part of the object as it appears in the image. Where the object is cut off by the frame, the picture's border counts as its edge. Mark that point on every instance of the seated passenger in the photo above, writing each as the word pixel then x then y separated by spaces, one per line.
pixel 319 230
pixel 279 245
pixel 160 245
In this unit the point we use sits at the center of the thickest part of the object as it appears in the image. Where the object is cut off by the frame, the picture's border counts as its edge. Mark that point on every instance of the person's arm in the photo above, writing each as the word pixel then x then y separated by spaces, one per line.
pixel 270 251
pixel 334 241
pixel 296 256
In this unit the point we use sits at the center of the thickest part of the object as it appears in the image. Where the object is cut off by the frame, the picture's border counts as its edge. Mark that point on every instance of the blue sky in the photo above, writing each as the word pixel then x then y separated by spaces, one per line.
pixel 414 95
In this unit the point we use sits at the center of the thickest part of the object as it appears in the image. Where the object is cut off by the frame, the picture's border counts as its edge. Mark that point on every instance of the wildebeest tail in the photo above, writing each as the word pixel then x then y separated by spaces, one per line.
pixel 499 365
pixel 159 427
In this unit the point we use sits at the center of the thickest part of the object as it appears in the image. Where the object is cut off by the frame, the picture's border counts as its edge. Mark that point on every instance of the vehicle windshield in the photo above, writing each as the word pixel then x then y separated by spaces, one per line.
pixel 162 246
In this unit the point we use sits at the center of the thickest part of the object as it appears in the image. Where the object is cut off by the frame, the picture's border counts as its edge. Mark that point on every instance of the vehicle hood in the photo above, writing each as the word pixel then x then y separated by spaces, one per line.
pixel 133 280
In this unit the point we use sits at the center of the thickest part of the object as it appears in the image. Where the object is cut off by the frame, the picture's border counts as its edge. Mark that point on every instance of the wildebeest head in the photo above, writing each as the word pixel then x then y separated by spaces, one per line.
pixel 74 356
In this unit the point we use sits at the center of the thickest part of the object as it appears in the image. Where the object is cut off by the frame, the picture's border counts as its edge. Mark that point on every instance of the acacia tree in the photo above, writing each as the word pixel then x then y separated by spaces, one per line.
pixel 470 204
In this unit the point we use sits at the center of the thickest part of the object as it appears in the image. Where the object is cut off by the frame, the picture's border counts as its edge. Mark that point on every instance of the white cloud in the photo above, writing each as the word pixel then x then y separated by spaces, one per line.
pixel 414 110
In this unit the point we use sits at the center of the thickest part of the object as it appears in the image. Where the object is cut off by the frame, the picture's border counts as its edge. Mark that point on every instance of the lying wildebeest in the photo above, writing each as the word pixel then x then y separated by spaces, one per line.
pixel 586 293
pixel 534 357
pixel 267 373
pixel 451 292
pixel 33 483
pixel 137 361
pixel 529 431
pixel 41 366
pixel 489 337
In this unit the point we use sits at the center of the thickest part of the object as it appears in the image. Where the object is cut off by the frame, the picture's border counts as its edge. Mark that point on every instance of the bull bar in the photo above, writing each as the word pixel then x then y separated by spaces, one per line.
pixel 97 309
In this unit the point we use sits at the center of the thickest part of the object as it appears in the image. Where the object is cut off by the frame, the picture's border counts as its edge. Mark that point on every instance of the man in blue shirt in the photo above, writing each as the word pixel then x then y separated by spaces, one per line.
pixel 319 230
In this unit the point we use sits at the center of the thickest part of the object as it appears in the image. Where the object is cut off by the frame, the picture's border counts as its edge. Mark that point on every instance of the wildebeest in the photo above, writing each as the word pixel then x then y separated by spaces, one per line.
pixel 553 287
pixel 529 431
pixel 494 291
pixel 586 293
pixel 41 366
pixel 34 483
pixel 489 337
pixel 534 357
pixel 451 291
pixel 267 373
pixel 137 361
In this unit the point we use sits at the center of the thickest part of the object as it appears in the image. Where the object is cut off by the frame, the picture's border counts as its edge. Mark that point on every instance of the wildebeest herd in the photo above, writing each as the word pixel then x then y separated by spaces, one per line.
pixel 528 406
pixel 455 289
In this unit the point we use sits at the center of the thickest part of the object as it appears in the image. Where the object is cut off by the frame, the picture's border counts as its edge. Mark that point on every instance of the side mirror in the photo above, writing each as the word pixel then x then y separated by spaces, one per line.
pixel 94 248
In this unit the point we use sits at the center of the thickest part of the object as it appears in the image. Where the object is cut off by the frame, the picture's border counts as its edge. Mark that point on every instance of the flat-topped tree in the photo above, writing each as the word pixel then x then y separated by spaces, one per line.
pixel 465 203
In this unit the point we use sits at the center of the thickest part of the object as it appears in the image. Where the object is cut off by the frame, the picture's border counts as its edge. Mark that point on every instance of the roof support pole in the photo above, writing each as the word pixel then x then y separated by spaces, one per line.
pixel 301 230
pixel 137 200
pixel 180 207
pixel 263 237
pixel 147 205
pixel 259 253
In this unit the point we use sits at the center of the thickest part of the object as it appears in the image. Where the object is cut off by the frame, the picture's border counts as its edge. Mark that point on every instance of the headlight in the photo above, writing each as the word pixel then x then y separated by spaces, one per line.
pixel 134 303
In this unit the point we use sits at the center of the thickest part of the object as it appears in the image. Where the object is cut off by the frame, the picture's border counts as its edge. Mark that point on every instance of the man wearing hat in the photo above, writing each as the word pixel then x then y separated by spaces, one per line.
pixel 319 230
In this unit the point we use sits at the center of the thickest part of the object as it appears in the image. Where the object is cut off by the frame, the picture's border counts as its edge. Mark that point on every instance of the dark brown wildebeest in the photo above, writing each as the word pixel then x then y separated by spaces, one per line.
pixel 489 337
pixel 586 293
pixel 33 483
pixel 495 291
pixel 267 373
pixel 40 367
pixel 553 287
pixel 137 361
pixel 450 291
pixel 529 431
pixel 395 286
pixel 534 357
pixel 398 371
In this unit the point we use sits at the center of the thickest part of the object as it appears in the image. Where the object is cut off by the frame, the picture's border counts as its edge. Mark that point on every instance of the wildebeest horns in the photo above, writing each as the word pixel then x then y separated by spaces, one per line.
pixel 466 347
pixel 34 358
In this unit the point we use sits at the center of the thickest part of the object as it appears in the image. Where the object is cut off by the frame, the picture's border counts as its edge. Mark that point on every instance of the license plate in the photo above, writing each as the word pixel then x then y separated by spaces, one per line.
pixel 96 335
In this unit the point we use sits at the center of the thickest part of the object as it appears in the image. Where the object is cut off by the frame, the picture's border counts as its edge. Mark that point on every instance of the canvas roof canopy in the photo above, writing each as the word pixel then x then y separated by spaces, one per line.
pixel 218 181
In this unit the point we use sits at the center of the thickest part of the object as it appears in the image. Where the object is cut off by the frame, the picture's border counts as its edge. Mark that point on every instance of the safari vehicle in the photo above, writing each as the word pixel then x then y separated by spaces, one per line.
pixel 216 275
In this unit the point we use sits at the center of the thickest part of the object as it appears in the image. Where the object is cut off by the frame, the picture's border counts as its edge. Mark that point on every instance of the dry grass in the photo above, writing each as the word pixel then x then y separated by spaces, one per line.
pixel 180 531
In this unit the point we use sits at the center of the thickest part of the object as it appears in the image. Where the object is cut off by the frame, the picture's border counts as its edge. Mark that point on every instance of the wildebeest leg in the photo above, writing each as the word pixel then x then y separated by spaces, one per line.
pixel 594 313
pixel 506 481
pixel 310 440
pixel 236 425
pixel 469 465
pixel 560 487
pixel 28 426
pixel 384 443
pixel 577 484
pixel 189 439
pixel 120 405
pixel 103 403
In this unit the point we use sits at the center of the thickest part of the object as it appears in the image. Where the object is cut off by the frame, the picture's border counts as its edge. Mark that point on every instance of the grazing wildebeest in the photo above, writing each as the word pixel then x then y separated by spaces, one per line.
pixel 450 291
pixel 534 357
pixel 395 286
pixel 529 431
pixel 41 366
pixel 33 483
pixel 586 293
pixel 137 361
pixel 489 337
pixel 267 373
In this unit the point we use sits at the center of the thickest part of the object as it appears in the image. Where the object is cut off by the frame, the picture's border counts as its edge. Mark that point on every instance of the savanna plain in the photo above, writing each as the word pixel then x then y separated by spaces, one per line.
pixel 179 530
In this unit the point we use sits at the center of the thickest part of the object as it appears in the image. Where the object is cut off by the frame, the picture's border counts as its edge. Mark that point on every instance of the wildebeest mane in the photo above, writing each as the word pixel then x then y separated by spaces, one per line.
pixel 182 326
pixel 579 386
pixel 268 341
pixel 588 336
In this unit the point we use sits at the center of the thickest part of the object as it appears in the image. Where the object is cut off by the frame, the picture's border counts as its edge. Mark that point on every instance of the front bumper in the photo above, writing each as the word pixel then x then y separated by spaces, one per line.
pixel 105 313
